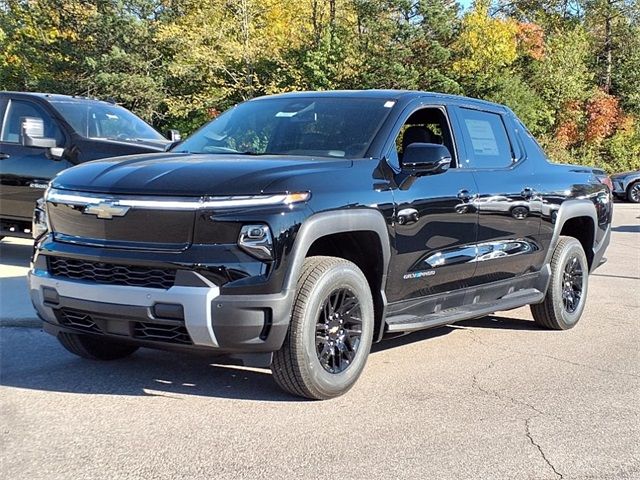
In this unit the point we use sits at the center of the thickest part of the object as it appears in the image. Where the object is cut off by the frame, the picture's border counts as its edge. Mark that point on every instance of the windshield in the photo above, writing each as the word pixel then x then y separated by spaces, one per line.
pixel 98 120
pixel 328 127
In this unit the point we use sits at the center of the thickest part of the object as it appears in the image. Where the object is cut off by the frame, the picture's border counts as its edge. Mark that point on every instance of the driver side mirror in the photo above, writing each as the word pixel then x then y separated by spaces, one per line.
pixel 32 133
pixel 426 158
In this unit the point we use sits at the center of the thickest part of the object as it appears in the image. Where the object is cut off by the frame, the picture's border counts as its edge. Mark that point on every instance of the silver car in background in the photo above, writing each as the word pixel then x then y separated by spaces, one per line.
pixel 627 186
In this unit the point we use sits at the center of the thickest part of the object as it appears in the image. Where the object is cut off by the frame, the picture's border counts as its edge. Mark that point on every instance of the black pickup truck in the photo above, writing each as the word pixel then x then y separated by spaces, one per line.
pixel 42 134
pixel 300 228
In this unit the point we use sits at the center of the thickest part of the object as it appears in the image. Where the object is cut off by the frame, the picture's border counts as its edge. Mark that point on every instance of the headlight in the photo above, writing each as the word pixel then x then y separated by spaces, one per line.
pixel 39 223
pixel 257 241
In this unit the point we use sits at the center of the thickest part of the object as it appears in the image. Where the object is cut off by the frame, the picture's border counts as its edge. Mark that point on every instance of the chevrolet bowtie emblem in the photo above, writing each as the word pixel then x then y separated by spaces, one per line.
pixel 106 210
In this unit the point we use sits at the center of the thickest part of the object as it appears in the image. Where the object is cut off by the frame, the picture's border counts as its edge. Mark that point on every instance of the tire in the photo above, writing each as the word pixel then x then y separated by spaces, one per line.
pixel 95 348
pixel 562 307
pixel 319 359
pixel 633 192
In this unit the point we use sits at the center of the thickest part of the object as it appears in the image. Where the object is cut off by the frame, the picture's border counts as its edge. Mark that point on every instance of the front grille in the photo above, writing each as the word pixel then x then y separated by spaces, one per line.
pixel 111 274
pixel 161 332
pixel 77 319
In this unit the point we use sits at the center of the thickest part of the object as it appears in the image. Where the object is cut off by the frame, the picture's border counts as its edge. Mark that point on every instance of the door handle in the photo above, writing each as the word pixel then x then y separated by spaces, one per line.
pixel 527 193
pixel 464 196
pixel 4 156
pixel 407 216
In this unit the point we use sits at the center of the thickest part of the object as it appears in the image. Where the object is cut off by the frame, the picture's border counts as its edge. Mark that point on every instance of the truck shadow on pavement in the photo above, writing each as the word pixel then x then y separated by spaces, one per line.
pixel 31 359
pixel 626 229
pixel 15 254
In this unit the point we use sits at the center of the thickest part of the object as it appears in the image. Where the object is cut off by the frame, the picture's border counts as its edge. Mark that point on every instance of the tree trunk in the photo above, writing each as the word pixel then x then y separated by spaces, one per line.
pixel 608 46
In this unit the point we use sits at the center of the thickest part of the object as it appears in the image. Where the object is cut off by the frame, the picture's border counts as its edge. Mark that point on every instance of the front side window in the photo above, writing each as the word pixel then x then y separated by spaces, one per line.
pixel 487 136
pixel 324 127
pixel 19 109
pixel 105 121
pixel 427 125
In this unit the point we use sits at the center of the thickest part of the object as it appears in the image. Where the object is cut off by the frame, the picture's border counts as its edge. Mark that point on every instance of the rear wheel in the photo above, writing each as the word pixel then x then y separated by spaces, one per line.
pixel 633 192
pixel 95 348
pixel 567 292
pixel 330 332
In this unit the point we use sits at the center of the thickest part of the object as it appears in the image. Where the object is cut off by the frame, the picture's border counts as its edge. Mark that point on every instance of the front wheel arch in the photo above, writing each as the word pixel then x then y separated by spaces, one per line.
pixel 368 221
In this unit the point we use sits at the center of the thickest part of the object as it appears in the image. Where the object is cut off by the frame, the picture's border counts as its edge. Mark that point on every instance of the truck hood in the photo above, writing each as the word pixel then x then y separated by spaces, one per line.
pixel 185 174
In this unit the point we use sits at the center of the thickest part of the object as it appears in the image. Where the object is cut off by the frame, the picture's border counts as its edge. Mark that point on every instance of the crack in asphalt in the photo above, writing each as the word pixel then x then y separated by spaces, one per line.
pixel 475 338
pixel 527 428
pixel 476 384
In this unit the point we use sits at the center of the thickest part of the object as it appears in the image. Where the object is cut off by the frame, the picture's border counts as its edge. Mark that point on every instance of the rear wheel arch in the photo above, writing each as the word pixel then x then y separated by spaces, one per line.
pixel 577 219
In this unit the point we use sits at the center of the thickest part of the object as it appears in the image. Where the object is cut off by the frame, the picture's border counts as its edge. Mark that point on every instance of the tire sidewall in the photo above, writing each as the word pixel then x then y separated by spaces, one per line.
pixel 344 276
pixel 566 319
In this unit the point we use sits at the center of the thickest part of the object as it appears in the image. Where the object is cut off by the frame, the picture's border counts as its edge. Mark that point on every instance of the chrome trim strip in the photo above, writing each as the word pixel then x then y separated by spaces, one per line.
pixel 172 203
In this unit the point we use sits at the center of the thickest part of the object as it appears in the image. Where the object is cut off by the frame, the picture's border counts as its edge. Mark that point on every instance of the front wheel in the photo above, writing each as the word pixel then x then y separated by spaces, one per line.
pixel 330 333
pixel 567 293
pixel 95 348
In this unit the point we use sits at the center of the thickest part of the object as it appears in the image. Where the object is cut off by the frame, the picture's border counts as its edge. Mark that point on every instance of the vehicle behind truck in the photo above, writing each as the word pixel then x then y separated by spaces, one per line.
pixel 296 230
pixel 43 134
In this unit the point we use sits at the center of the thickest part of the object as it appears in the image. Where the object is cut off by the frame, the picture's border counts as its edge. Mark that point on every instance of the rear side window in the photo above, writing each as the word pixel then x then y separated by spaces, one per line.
pixel 17 110
pixel 487 138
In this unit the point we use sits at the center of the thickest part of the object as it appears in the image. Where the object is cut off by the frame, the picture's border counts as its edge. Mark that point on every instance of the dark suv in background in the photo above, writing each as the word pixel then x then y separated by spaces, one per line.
pixel 43 134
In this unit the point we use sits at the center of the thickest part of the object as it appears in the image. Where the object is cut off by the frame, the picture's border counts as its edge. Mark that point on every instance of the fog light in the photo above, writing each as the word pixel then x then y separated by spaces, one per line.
pixel 256 240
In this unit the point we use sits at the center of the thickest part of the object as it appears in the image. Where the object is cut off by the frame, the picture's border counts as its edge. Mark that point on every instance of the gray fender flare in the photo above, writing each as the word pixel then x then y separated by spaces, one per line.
pixel 572 209
pixel 341 221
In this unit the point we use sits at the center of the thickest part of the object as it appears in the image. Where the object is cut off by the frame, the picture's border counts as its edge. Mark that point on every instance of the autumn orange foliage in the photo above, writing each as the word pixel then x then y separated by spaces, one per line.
pixel 568 132
pixel 602 115
pixel 531 39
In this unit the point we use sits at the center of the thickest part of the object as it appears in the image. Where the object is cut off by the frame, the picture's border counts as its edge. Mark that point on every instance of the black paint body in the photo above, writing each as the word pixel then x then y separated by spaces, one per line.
pixel 473 227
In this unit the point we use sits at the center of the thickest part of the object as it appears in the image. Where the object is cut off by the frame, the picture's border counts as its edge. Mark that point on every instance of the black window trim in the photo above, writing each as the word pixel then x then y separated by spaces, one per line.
pixel 517 155
pixel 408 111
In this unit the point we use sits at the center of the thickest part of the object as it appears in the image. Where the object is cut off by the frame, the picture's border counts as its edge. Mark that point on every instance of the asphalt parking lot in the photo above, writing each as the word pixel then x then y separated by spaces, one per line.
pixel 489 398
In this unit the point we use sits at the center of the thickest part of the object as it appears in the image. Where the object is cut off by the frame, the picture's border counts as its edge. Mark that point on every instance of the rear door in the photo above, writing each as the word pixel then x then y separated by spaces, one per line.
pixel 508 205
pixel 25 171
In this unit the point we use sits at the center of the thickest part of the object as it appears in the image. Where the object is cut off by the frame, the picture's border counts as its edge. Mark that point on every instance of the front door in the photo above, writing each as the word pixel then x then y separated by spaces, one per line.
pixel 25 171
pixel 436 222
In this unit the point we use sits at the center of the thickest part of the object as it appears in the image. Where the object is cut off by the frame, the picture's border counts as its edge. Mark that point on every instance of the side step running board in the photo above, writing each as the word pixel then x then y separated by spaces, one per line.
pixel 406 323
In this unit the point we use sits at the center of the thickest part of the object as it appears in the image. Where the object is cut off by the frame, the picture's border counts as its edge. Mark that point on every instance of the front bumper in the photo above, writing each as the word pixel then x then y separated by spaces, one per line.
pixel 190 314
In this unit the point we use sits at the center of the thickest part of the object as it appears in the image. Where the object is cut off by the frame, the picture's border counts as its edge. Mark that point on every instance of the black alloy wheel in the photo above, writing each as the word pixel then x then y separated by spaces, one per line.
pixel 338 330
pixel 573 284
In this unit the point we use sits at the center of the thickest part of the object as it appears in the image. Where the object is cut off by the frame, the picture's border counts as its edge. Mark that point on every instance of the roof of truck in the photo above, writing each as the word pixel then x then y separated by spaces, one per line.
pixel 386 94
pixel 55 97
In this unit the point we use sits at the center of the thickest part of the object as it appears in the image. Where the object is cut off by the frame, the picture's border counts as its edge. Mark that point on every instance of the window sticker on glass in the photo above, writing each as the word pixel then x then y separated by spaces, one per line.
pixel 286 114
pixel 482 137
